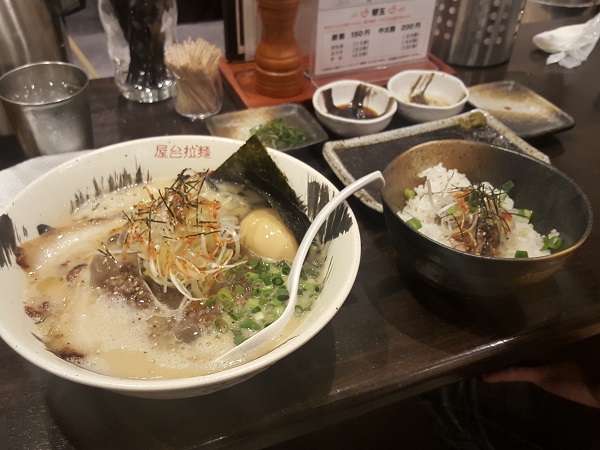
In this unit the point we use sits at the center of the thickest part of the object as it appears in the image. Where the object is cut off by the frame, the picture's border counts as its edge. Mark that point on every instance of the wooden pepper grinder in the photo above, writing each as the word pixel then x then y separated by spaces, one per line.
pixel 278 59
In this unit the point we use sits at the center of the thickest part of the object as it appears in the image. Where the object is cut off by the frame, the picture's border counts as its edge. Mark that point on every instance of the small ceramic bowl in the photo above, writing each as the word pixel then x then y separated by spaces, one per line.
pixel 376 101
pixel 556 201
pixel 445 95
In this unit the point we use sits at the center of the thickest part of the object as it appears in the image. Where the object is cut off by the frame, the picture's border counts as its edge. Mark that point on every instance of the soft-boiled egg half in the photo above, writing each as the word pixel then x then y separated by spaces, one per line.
pixel 263 233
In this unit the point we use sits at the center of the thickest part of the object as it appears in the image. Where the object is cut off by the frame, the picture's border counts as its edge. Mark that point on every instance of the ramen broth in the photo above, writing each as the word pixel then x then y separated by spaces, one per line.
pixel 125 324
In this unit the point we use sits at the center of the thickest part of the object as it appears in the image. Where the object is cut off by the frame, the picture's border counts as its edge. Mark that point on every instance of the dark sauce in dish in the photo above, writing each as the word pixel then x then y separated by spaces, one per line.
pixel 353 110
pixel 365 112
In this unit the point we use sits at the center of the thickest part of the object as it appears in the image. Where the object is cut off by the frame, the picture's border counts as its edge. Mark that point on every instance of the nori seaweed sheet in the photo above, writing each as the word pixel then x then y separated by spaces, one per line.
pixel 252 166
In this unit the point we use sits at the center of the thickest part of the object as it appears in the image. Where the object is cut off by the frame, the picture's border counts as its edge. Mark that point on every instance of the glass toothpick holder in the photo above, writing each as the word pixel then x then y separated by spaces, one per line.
pixel 199 91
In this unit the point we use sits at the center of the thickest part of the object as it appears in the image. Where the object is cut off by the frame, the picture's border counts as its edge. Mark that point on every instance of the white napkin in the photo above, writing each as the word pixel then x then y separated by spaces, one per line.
pixel 569 45
pixel 14 179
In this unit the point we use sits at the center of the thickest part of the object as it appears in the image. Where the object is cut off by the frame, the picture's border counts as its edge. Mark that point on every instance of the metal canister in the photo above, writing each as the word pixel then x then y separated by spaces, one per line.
pixel 476 33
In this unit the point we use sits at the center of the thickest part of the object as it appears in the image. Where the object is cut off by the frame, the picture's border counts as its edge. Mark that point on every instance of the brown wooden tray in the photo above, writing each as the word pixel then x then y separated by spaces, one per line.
pixel 241 78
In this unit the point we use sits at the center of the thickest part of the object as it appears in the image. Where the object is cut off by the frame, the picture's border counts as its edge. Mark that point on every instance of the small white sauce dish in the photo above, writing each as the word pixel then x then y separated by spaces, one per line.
pixel 445 95
pixel 376 99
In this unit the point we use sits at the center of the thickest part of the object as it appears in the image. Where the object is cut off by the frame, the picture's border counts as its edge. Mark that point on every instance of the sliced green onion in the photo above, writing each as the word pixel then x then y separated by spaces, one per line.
pixel 265 278
pixel 252 302
pixel 250 324
pixel 552 243
pixel 285 268
pixel 220 324
pixel 238 337
pixel 239 290
pixel 521 254
pixel 506 187
pixel 414 223
pixel 409 193
pixel 262 297
pixel 282 294
pixel 526 213
pixel 227 304
pixel 224 294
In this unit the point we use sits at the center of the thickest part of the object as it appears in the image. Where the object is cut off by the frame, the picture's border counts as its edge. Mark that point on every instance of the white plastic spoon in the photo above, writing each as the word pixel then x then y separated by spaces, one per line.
pixel 273 331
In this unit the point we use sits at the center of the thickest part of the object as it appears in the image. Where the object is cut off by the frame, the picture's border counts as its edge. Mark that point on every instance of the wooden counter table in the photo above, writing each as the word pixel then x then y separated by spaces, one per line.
pixel 393 338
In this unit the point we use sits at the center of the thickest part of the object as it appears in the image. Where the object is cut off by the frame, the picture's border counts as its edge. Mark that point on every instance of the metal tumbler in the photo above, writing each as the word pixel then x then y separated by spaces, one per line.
pixel 48 106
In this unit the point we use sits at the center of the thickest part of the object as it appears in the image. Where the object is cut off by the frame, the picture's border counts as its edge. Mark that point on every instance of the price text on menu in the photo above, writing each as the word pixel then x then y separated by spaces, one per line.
pixel 360 34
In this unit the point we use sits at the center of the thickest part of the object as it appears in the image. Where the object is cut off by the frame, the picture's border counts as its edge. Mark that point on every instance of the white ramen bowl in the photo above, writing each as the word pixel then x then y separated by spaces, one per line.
pixel 50 197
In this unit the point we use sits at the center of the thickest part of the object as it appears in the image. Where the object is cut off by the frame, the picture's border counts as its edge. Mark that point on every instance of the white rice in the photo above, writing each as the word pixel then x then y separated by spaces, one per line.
pixel 443 184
